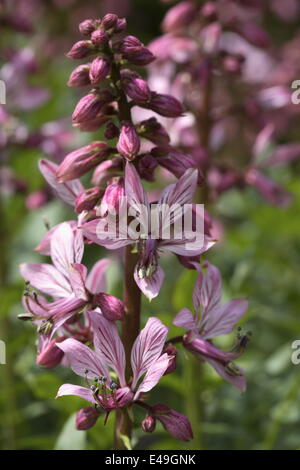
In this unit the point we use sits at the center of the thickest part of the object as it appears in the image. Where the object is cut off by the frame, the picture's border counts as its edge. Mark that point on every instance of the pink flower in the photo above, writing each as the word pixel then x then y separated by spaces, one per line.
pixel 147 362
pixel 80 50
pixel 99 70
pixel 80 76
pixel 179 16
pixel 86 418
pixel 148 274
pixel 165 105
pixel 215 320
pixel 67 281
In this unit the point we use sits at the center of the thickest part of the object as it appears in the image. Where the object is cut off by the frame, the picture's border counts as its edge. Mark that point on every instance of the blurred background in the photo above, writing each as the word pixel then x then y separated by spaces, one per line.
pixel 258 255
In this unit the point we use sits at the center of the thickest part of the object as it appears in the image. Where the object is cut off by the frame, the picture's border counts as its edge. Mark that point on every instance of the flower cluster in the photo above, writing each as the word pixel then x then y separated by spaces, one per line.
pixel 76 318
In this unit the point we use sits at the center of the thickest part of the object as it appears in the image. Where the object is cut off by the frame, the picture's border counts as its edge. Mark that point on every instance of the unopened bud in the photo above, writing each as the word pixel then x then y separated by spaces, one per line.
pixel 99 70
pixel 80 76
pixel 80 50
pixel 149 424
pixel 86 200
pixel 129 143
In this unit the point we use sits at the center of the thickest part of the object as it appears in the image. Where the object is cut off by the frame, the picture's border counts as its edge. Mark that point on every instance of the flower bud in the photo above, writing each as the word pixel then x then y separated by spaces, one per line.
pixel 109 21
pixel 129 143
pixel 86 27
pixel 113 194
pixel 111 131
pixel 136 88
pixel 86 200
pixel 165 105
pixel 121 25
pixel 90 106
pixel 152 130
pixel 49 355
pixel 106 170
pixel 210 36
pixel 93 124
pixel 99 70
pixel 149 424
pixel 112 308
pixel 172 353
pixel 179 16
pixel 174 161
pixel 79 162
pixel 271 191
pixel 99 37
pixel 133 50
pixel 146 166
pixel 86 418
pixel 80 76
pixel 80 50
pixel 175 423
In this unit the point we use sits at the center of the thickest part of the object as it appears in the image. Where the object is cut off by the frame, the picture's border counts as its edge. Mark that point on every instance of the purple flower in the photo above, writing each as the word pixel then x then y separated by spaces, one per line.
pixel 147 362
pixel 80 50
pixel 49 355
pixel 165 105
pixel 174 161
pixel 80 76
pixel 148 274
pixel 149 424
pixel 87 199
pixel 99 70
pixel 179 16
pixel 215 320
pixel 86 27
pixel 109 21
pixel 129 143
pixel 114 192
pixel 86 418
pixel 135 87
pixel 99 37
pixel 135 52
pixel 90 106
pixel 174 422
pixel 152 130
pixel 80 161
pixel 66 280
pixel 69 191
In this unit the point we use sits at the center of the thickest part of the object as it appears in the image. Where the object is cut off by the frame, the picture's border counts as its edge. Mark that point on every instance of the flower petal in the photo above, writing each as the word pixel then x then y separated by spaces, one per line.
pixel 66 191
pixel 66 248
pixel 147 347
pixel 82 392
pixel 83 359
pixel 77 275
pixel 46 278
pixel 150 286
pixel 107 341
pixel 96 280
pixel 153 376
pixel 222 319
pixel 185 319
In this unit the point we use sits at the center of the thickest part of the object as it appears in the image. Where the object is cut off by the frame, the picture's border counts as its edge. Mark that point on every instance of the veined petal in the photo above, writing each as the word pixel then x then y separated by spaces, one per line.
pixel 66 191
pixel 134 190
pixel 147 347
pixel 222 319
pixel 83 359
pixel 153 376
pixel 208 289
pixel 46 278
pixel 185 319
pixel 96 279
pixel 107 342
pixel 77 276
pixel 95 232
pixel 182 192
pixel 150 286
pixel 82 392
pixel 66 248
pixel 238 381
pixel 187 246
pixel 44 245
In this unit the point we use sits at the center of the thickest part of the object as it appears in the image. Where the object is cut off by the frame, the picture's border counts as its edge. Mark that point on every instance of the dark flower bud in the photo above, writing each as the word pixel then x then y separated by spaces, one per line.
pixel 129 143
pixel 112 308
pixel 86 418
pixel 121 25
pixel 165 105
pixel 111 131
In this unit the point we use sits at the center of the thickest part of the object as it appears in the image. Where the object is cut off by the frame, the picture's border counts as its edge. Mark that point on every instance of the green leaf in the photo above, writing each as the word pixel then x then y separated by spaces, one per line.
pixel 70 438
